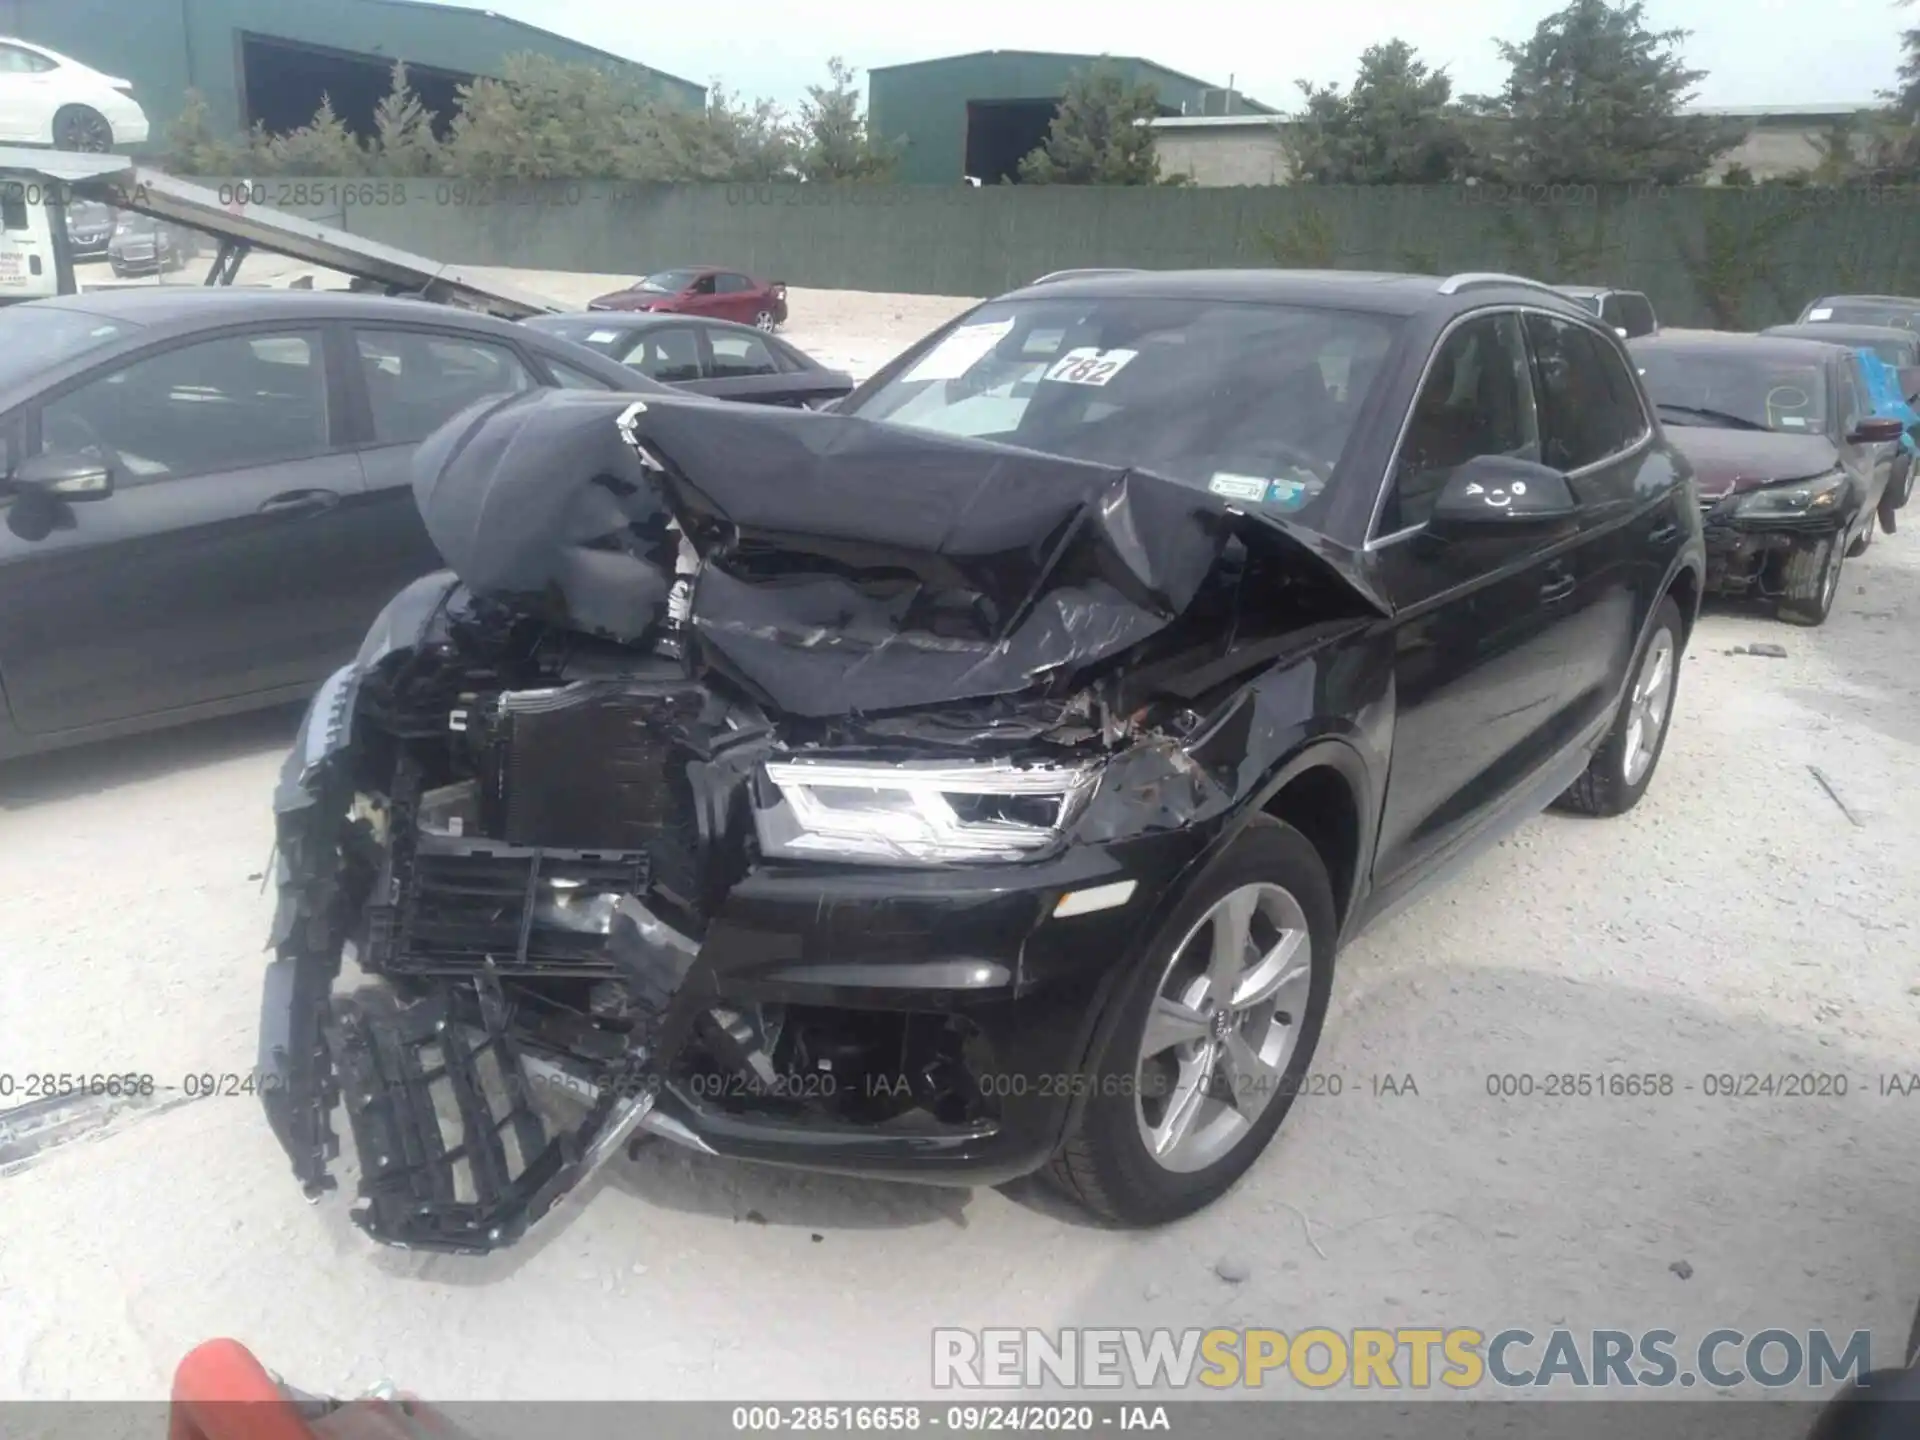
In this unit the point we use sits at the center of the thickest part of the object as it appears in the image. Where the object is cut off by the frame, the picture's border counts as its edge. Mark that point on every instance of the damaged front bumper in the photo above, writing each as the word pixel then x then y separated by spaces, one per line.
pixel 877 1021
pixel 1744 556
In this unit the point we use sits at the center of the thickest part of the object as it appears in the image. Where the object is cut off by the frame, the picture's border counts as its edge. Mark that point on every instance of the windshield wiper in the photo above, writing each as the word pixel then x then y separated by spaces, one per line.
pixel 1718 417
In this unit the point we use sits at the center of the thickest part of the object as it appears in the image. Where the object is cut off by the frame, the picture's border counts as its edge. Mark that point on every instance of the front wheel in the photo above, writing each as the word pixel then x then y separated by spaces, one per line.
pixel 1810 582
pixel 1622 768
pixel 1865 541
pixel 1216 1030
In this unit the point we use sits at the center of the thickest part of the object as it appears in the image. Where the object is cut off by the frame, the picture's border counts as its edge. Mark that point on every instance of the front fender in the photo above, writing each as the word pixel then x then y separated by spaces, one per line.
pixel 326 730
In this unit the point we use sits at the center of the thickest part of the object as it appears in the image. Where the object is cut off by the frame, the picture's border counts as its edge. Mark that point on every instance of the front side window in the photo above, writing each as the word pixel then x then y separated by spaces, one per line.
pixel 223 404
pixel 671 356
pixel 668 282
pixel 1731 390
pixel 1588 408
pixel 417 381
pixel 739 355
pixel 1253 402
pixel 1477 400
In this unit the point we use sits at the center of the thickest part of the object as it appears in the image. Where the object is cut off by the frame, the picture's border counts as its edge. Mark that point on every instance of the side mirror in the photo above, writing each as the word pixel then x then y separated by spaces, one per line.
pixel 1498 492
pixel 72 476
pixel 1621 331
pixel 1876 430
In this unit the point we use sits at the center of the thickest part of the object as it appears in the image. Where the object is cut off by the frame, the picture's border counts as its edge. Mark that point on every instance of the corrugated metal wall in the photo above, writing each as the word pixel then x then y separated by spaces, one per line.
pixel 925 103
pixel 1706 256
pixel 165 46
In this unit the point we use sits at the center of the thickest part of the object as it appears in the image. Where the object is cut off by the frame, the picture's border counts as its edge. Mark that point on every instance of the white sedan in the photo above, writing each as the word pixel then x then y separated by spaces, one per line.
pixel 47 98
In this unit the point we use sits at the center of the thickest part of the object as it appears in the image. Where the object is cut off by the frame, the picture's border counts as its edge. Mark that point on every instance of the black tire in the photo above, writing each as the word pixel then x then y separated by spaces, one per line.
pixel 1900 487
pixel 1603 789
pixel 1103 1163
pixel 82 128
pixel 1809 583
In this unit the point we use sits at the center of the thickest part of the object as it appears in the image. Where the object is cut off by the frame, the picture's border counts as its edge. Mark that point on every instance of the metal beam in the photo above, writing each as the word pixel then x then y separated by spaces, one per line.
pixel 118 181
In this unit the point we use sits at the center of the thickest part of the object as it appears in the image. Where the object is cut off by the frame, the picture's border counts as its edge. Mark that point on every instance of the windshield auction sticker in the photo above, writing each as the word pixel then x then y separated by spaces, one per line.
pixel 1088 366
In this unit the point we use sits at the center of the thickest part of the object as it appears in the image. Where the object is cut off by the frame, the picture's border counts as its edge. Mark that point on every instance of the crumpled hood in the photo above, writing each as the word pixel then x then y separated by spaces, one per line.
pixel 848 566
pixel 1729 461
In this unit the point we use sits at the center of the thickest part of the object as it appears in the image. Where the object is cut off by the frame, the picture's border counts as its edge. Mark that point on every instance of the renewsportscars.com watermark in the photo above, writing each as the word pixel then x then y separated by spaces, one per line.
pixel 1402 1358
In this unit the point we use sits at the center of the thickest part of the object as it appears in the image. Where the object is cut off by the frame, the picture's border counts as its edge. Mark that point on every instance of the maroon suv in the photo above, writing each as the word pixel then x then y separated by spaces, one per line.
pixel 703 290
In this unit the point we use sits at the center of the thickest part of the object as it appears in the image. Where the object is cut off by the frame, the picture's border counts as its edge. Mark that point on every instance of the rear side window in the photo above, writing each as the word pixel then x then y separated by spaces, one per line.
pixel 735 356
pixel 731 284
pixel 416 381
pixel 1476 401
pixel 1588 408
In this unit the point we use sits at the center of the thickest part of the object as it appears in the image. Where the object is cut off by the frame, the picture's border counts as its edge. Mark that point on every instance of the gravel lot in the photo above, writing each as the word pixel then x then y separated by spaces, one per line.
pixel 1740 921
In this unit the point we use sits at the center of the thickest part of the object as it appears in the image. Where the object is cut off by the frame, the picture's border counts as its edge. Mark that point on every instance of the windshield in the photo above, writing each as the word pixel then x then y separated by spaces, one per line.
pixel 1738 392
pixel 1252 402
pixel 668 282
pixel 1866 312
pixel 38 339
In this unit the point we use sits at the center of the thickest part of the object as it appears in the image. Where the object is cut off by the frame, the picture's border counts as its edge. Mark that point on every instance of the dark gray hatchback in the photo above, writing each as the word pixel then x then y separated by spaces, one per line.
pixel 207 494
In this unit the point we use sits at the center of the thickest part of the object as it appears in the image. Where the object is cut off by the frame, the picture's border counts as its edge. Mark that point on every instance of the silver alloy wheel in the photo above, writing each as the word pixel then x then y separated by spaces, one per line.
pixel 1647 707
pixel 764 321
pixel 1224 1025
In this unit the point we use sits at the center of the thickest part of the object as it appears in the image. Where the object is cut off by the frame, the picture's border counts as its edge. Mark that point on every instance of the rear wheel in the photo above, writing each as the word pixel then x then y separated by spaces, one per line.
pixel 81 127
pixel 765 320
pixel 1810 581
pixel 1217 1027
pixel 1622 768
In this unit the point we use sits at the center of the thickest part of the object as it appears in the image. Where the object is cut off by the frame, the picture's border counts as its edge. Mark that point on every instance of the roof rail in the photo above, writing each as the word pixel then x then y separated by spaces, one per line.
pixel 1454 284
pixel 1053 275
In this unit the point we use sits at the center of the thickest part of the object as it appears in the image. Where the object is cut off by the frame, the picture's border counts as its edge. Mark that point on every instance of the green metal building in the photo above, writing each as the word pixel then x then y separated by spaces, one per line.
pixel 977 115
pixel 269 61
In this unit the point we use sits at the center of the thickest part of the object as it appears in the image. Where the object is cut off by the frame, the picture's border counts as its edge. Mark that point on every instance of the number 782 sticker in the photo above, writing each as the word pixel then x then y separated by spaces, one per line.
pixel 1089 366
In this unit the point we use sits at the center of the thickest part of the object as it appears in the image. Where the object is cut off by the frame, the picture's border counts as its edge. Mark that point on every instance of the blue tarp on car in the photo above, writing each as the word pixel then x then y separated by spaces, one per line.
pixel 1883 385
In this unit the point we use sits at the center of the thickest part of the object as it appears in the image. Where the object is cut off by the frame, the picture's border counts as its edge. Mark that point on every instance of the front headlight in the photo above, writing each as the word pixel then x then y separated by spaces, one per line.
pixel 1819 496
pixel 917 814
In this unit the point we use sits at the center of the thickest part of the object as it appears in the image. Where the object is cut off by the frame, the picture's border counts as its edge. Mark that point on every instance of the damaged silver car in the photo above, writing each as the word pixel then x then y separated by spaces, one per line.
pixel 975 781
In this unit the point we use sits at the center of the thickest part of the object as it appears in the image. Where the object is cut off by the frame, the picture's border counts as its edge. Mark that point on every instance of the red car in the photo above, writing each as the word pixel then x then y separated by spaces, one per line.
pixel 702 290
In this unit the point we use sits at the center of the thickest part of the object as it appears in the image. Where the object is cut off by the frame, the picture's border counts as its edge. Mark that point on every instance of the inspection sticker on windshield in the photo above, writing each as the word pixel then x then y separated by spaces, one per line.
pixel 601 337
pixel 959 352
pixel 1822 313
pixel 1289 494
pixel 1238 487
pixel 1088 366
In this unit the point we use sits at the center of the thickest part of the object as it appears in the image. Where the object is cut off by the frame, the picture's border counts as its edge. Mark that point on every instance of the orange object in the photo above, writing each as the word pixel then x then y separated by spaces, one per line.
pixel 220 1392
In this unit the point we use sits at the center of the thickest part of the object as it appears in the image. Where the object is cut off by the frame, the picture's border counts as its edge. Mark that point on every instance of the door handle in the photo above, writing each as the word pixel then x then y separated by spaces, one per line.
pixel 1664 534
pixel 1557 589
pixel 300 502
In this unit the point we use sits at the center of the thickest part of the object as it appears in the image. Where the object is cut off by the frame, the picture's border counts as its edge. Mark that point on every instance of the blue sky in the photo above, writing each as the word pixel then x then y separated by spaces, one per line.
pixel 1757 52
